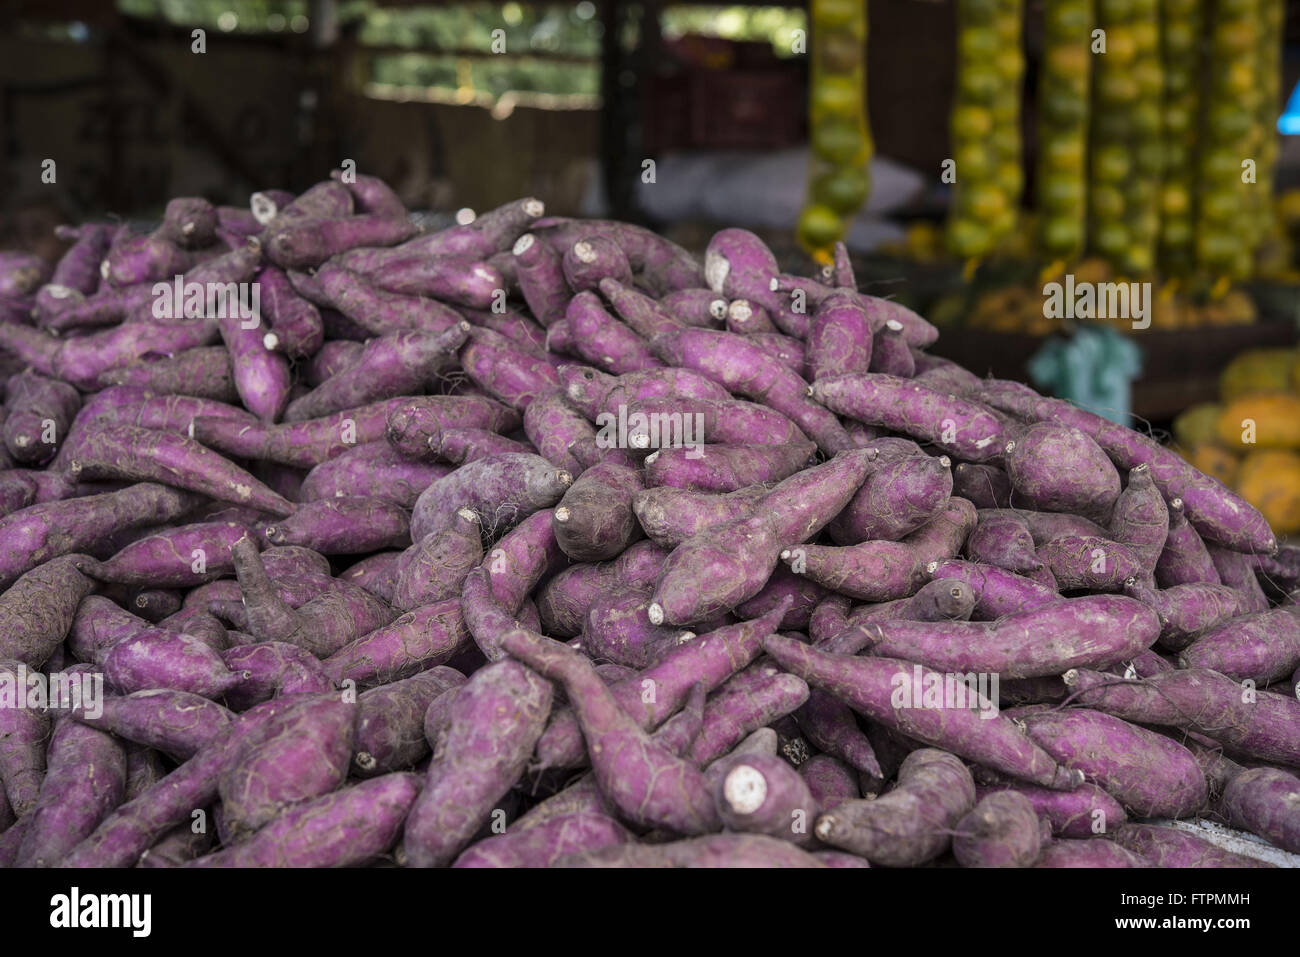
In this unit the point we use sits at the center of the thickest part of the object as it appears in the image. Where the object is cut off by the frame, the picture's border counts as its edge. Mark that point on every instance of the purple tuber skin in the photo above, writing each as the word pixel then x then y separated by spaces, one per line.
pixel 1263 801
pixel 806 595
pixel 899 495
pixel 1002 830
pixel 475 285
pixel 1087 562
pixel 154 659
pixel 890 354
pixel 749 700
pixel 912 823
pixel 1081 813
pixel 179 557
pixel 460 446
pixel 148 258
pixel 594 520
pixel 348 828
pixel 1095 630
pixel 1094 853
pixel 715 850
pixel 695 307
pixel 552 425
pixel 23 735
pixel 37 610
pixel 649 785
pixel 297 329
pixel 830 781
pixel 204 373
pixel 177 723
pixel 1238 571
pixel 434 568
pixel 1152 775
pixel 541 279
pixel 420 639
pixel 376 466
pixel 376 574
pixel 1187 610
pixel 588 261
pixel 868 685
pixel 617 629
pixel 830 726
pixel 370 194
pixel 299 754
pixel 662 265
pixel 839 338
pixel 960 427
pixel 664 423
pixel 307 243
pixel 322 626
pixel 603 341
pixel 1184 560
pixel 1056 468
pixel 647 317
pixel 189 221
pixel 997 592
pixel 564 600
pixel 378 311
pixel 1263 647
pixel 1001 539
pixel 343 526
pixel 745 318
pixel 670 516
pixel 84 781
pixel 546 843
pixel 1140 519
pixel 495 720
pixel 272 669
pixel 330 359
pixel 40 412
pixel 747 370
pixel 393 365
pixel 762 794
pixel 882 571
pixel 1170 847
pixel 504 372
pixel 725 468
pixel 986 485
pixel 944 599
pixel 1258 724
pixel 503 489
pixel 522 558
pixel 390 721
pixel 592 392
pixel 136 454
pixel 1219 515
pixel 715 571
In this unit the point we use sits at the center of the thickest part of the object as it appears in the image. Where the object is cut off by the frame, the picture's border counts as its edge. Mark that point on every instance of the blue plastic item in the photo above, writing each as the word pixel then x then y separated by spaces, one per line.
pixel 1094 369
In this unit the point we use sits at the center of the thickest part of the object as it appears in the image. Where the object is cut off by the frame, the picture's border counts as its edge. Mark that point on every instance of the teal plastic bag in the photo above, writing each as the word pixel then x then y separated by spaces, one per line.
pixel 1094 369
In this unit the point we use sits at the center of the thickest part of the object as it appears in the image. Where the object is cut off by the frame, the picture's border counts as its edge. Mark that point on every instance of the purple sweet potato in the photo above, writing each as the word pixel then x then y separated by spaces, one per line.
pixel 1092 853
pixel 158 659
pixel 78 269
pixel 83 360
pixel 986 485
pixel 343 526
pixel 997 592
pixel 507 373
pixel 297 329
pixel 1002 830
pixel 188 221
pixel 978 733
pixel 1184 559
pixel 41 411
pixel 330 359
pixel 588 261
pixel 890 353
pixel 392 365
pixel 670 516
pixel 177 723
pixel 541 279
pixel 725 468
pixel 132 453
pixel 618 629
pixel 881 570
pixel 347 828
pixel 564 600
pixel 1171 847
pixel 545 843
pixel 37 611
pixel 299 754
pixel 1237 571
pixel 23 735
pixel 762 794
pixel 646 316
pixel 1088 562
pixel 376 468
pixel 1218 514
pixel 1263 647
pixel 749 700
pixel 461 446
pixel 272 669
pixel 552 425
pixel 645 781
pixel 715 571
pixel 370 194
pixel 829 780
pixel 1140 519
pixel 390 721
pixel 714 850
pixel 503 489
pixel 305 243
pixel 204 372
pixel 378 311
pixel 899 495
pixel 1081 813
pixel 1187 610
pixel 148 258
pixel 1003 540
pixel 182 556
pixel 1264 801
pixel 603 341
pixel 434 568
pixel 1146 772
pixel 911 824
pixel 594 520
pixel 830 726
pixel 85 779
pixel 591 391
pixel 806 596
pixel 495 721
pixel 958 426
pixel 1056 468
pixel 839 338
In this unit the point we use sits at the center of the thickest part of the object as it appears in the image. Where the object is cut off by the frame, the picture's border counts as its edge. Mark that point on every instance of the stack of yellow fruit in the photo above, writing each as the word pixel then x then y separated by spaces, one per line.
pixel 1180 43
pixel 1250 439
pixel 1063 126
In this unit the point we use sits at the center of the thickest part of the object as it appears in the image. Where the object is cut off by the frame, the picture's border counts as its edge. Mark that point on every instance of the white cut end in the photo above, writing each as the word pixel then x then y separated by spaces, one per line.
pixel 893 325
pixel 188 229
pixel 638 440
pixel 1176 503
pixel 655 612
pixel 649 459
pixel 1142 467
pixel 365 760
pixel 22 441
pixel 716 269
pixel 271 342
pixel 828 273
pixel 945 461
pixel 685 636
pixel 825 827
pixel 785 554
pixel 1070 677
pixel 465 216
pixel 583 252
pixel 564 477
pixel 533 207
pixel 468 514
pixel 740 311
pixel 1009 447
pixel 718 309
pixel 55 291
pixel 272 532
pixel 774 284
pixel 262 207
pixel 562 514
pixel 103 269
pixel 141 601
pixel 523 244
pixel 931 568
pixel 744 789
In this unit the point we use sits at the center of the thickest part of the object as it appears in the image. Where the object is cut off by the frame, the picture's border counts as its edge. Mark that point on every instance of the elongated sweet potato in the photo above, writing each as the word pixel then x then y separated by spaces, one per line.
pixel 1086 562
pixel 343 526
pixel 762 794
pixel 1092 853
pixel 1187 610
pixel 272 669
pixel 749 700
pixel 157 659
pixel 670 516
pixel 552 425
pixel 1081 813
pixel 714 850
pixel 434 568
pixel 1140 519
pixel 1170 847
pixel 725 468
pixel 502 489
pixel 547 842
pixel 715 571
pixel 1002 830
pixel 1263 801
pixel 422 638
pixel 23 735
pixel 594 520
pixel 177 723
pixel 899 495
pixel 1263 647
pixel 183 556
pixel 1184 559
pixel 375 468
pixel 391 720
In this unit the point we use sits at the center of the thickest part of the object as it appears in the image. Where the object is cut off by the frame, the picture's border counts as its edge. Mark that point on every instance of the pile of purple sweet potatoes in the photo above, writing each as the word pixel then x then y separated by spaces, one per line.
pixel 541 542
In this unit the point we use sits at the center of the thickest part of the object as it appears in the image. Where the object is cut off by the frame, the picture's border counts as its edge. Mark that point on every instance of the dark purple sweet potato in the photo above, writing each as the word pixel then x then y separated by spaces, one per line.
pixel 203 372
pixel 177 723
pixel 747 701
pixel 158 659
pixel 545 843
pixel 1184 559
pixel 1263 647
pixel 1056 468
pixel 898 496
pixel 670 516
pixel 375 467
pixel 593 520
pixel 272 669
pixel 986 485
pixel 502 489
pixel 1081 813
pixel 1090 563
pixel 41 411
pixel 183 556
pixel 37 611
pixel 829 780
pixel 391 721
pixel 495 721
pixel 725 468
pixel 762 794
pixel 23 735
pixel 714 850
pixel 418 640
pixel 618 629
pixel 541 279
pixel 715 571
pixel 912 823
pixel 552 425
pixel 1092 853
pixel 564 600
pixel 1140 519
pixel 588 261
pixel 343 526
pixel 1003 540
pixel 434 568
pixel 1237 570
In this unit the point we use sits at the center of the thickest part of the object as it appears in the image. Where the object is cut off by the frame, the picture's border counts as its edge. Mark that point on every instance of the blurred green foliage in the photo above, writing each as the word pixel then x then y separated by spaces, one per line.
pixel 754 24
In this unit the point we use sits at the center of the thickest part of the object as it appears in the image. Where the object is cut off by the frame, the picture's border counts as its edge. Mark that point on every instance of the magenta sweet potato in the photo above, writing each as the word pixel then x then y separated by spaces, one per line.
pixel 23 735
pixel 1002 830
pixel 1264 801
pixel 177 723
